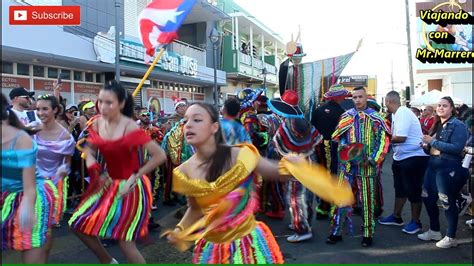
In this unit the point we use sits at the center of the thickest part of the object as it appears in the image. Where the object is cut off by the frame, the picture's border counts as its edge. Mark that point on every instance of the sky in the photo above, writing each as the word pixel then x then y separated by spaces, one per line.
pixel 331 28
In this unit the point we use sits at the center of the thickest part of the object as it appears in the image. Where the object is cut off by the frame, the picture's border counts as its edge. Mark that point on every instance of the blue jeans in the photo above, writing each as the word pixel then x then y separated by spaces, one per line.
pixel 444 178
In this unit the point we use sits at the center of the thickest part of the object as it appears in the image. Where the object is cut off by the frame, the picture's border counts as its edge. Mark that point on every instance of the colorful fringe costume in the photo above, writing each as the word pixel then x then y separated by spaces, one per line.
pixel 366 127
pixel 178 151
pixel 13 162
pixel 297 136
pixel 273 192
pixel 157 135
pixel 228 231
pixel 102 212
pixel 51 155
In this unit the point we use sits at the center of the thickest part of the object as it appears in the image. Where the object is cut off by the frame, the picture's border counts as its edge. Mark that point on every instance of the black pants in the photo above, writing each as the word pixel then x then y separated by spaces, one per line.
pixel 408 177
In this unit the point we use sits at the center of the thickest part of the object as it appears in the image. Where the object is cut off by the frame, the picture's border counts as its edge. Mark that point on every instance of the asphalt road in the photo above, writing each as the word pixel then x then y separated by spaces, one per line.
pixel 391 245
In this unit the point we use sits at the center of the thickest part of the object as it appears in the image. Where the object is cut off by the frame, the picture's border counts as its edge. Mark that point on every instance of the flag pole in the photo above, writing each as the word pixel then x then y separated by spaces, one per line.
pixel 135 92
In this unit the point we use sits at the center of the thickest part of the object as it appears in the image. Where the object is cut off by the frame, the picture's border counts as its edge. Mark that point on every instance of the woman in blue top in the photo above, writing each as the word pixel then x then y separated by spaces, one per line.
pixel 445 175
pixel 28 202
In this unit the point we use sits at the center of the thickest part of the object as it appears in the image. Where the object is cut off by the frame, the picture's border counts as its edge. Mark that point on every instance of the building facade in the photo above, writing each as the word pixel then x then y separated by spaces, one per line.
pixel 252 52
pixel 33 56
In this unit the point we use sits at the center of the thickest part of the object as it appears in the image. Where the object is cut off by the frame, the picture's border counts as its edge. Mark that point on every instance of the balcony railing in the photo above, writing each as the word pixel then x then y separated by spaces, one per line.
pixel 189 50
pixel 245 59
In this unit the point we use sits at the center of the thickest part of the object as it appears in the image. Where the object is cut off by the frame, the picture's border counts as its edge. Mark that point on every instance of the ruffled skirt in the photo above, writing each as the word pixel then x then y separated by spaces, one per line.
pixel 45 210
pixel 62 187
pixel 258 247
pixel 104 214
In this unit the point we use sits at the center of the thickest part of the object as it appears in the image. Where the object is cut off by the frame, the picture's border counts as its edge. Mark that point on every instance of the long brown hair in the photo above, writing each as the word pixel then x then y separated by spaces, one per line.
pixel 221 159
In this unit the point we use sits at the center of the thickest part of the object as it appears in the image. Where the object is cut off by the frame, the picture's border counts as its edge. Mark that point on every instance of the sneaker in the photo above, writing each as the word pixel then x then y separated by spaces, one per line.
pixel 333 239
pixel 366 242
pixel 430 235
pixel 391 220
pixel 291 227
pixel 470 223
pixel 412 228
pixel 113 261
pixel 298 238
pixel 447 242
pixel 463 202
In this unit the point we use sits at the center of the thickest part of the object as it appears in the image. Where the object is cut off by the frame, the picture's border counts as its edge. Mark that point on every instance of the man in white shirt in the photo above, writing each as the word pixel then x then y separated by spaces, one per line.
pixel 20 101
pixel 409 163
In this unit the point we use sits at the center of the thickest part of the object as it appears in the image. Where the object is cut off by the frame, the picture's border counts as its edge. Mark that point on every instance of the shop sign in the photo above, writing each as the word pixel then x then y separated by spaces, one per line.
pixel 12 82
pixel 353 81
pixel 47 85
pixel 199 97
pixel 185 95
pixel 104 47
pixel 87 88
pixel 154 93
pixel 171 94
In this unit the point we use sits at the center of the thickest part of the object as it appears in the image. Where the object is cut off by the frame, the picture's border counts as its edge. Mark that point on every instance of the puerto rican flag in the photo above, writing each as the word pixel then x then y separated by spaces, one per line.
pixel 159 23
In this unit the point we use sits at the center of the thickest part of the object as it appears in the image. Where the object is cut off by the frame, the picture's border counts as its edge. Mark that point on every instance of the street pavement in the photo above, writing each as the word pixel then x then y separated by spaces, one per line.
pixel 391 245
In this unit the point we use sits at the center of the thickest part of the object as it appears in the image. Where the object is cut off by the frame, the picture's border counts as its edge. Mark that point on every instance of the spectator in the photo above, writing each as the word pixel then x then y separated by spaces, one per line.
pixel 445 175
pixel 20 100
pixel 88 111
pixel 32 101
pixel 232 129
pixel 427 119
pixel 409 164
pixel 416 111
pixel 244 48
pixel 70 121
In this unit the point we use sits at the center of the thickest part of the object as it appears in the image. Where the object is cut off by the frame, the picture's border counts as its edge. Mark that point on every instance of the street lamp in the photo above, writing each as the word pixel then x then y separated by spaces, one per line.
pixel 215 37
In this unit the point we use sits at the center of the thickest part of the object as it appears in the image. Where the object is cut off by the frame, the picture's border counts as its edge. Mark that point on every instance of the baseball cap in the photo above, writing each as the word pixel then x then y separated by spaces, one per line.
pixel 88 105
pixel 20 91
pixel 70 106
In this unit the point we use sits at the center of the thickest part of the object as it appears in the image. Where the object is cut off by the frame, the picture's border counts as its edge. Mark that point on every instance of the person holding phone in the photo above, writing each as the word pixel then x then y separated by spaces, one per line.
pixel 20 101
pixel 70 120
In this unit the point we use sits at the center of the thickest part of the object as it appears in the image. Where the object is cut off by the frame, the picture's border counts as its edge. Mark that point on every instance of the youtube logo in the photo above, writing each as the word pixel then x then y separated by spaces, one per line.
pixel 20 15
pixel 45 15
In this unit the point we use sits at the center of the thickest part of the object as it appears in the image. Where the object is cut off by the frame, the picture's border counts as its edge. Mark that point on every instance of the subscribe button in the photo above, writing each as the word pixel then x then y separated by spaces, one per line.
pixel 45 15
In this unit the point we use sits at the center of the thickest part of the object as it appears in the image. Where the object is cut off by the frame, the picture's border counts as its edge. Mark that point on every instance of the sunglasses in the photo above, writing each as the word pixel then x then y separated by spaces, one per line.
pixel 145 114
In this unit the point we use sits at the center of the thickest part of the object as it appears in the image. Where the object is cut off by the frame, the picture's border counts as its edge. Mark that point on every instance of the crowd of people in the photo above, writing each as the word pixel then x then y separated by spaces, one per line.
pixel 109 164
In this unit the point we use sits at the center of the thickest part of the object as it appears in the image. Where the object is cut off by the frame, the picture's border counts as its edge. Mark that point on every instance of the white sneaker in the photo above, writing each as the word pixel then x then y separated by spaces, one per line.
pixel 298 238
pixel 291 227
pixel 430 235
pixel 470 222
pixel 447 242
pixel 114 261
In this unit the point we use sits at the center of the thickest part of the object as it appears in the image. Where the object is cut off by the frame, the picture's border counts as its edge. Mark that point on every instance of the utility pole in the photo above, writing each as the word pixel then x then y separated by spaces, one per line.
pixel 391 75
pixel 410 62
pixel 117 40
